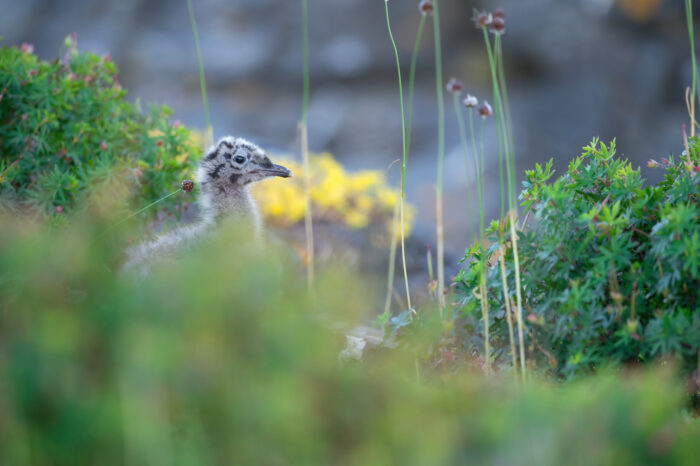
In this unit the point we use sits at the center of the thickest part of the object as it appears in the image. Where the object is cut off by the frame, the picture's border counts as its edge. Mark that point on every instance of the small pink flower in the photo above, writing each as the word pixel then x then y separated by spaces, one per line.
pixel 664 160
pixel 27 48
pixel 88 79
pixel 497 26
pixel 24 117
pixel 652 163
pixel 426 8
pixel 187 186
pixel 159 143
pixel 107 57
pixel 485 110
pixel 71 76
pixel 696 168
pixel 470 101
pixel 482 19
pixel 499 13
pixel 59 209
pixel 177 124
pixel 103 145
pixel 33 72
pixel 454 86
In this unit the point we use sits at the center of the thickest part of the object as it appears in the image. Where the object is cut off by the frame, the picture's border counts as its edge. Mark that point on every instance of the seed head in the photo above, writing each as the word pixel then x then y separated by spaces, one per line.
pixel 485 110
pixel 497 26
pixel 470 101
pixel 426 8
pixel 455 86
pixel 482 19
pixel 187 186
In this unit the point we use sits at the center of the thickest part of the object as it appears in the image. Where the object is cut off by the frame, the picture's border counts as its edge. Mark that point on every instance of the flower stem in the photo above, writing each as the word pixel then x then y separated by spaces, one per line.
pixel 209 138
pixel 440 156
pixel 403 158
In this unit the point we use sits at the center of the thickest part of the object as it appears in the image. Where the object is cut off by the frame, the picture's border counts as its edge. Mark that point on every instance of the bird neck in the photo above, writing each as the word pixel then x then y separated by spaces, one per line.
pixel 219 202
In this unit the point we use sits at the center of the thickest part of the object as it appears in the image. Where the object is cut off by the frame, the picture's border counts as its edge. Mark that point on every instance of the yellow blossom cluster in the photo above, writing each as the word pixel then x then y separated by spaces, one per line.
pixel 353 199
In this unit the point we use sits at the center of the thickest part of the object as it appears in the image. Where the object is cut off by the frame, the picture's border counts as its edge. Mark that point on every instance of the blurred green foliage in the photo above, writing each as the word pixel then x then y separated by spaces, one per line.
pixel 610 266
pixel 67 132
pixel 224 359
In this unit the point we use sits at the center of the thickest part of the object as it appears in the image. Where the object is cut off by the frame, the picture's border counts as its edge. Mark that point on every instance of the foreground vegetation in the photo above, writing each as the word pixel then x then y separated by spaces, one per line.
pixel 224 359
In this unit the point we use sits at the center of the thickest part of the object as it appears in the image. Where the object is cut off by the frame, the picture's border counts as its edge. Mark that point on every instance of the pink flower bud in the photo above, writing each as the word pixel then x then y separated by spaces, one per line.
pixel 664 160
pixel 455 86
pixel 108 57
pixel 88 79
pixel 159 143
pixel 27 48
pixel 59 209
pixel 696 168
pixel 485 110
pixel 652 163
pixel 187 186
pixel 497 26
pixel 33 72
pixel 470 101
pixel 103 145
pixel 426 8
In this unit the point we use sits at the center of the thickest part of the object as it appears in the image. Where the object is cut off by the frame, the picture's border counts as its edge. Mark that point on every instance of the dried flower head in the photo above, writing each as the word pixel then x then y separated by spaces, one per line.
pixel 497 26
pixel 482 19
pixel 454 85
pixel 470 101
pixel 485 110
pixel 426 8
pixel 187 186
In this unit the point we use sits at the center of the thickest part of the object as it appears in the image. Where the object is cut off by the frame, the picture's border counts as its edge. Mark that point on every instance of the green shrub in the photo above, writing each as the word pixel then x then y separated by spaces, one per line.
pixel 224 359
pixel 610 266
pixel 67 133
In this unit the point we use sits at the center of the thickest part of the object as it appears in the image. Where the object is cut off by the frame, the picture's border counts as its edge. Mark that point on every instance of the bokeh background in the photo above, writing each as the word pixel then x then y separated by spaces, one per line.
pixel 576 69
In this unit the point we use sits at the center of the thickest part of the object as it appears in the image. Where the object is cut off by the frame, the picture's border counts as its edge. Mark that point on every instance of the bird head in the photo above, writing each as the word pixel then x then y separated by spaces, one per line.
pixel 234 163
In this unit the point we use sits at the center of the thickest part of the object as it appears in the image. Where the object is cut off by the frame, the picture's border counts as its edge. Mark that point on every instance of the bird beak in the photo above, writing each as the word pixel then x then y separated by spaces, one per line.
pixel 278 170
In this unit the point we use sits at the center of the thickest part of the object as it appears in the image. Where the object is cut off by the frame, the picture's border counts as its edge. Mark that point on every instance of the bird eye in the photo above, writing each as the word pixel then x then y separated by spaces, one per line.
pixel 239 159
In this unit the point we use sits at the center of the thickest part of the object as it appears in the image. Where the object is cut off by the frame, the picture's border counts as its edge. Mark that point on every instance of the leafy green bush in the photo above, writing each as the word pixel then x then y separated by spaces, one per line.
pixel 67 131
pixel 610 266
pixel 223 359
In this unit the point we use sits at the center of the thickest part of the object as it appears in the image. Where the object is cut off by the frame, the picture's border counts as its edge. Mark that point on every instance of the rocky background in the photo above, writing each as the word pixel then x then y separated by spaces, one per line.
pixel 576 69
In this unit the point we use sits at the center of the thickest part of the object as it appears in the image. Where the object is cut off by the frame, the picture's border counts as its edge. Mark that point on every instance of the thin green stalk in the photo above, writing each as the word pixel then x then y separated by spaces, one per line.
pixel 403 158
pixel 482 283
pixel 478 174
pixel 395 222
pixel 412 79
pixel 441 154
pixel 305 60
pixel 691 35
pixel 509 317
pixel 512 209
pixel 202 81
pixel 143 209
pixel 510 161
pixel 392 260
pixel 303 130
pixel 465 152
